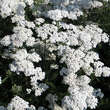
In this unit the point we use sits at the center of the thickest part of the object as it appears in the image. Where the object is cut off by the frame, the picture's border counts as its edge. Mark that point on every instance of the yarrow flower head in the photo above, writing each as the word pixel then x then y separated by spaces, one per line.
pixel 18 103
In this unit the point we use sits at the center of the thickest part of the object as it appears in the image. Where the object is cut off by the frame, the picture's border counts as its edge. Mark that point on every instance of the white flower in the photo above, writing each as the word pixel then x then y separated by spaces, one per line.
pixel 29 24
pixel 92 102
pixel 39 21
pixel 53 66
pixel 21 21
pixel 105 37
pixel 70 9
pixel 87 69
pixel 20 36
pixel 106 71
pixel 18 103
pixel 96 4
pixel 10 7
pixel 34 57
pixel 23 66
pixel 13 68
pixel 29 2
pixel 98 68
pixel 46 30
pixel 7 6
pixel 57 107
pixel 55 14
pixel 39 89
pixel 20 55
pixel 6 41
pixel 81 93
pixel 30 41
pixel 28 91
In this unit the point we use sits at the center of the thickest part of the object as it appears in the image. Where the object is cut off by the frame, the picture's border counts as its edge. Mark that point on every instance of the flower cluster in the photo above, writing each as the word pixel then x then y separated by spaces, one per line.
pixel 70 9
pixel 81 94
pixel 18 103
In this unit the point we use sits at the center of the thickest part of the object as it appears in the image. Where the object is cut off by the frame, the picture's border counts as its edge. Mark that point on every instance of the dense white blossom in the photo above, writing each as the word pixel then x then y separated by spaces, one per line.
pixel 23 62
pixel 34 57
pixel 20 36
pixel 6 41
pixel 28 91
pixel 9 7
pixel 21 21
pixel 46 30
pixel 81 93
pixel 29 2
pixel 70 9
pixel 39 21
pixel 87 38
pixel 57 107
pixel 18 103
pixel 106 71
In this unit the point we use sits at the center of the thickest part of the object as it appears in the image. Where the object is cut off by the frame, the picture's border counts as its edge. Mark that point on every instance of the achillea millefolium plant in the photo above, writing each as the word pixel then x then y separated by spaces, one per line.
pixel 54 55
